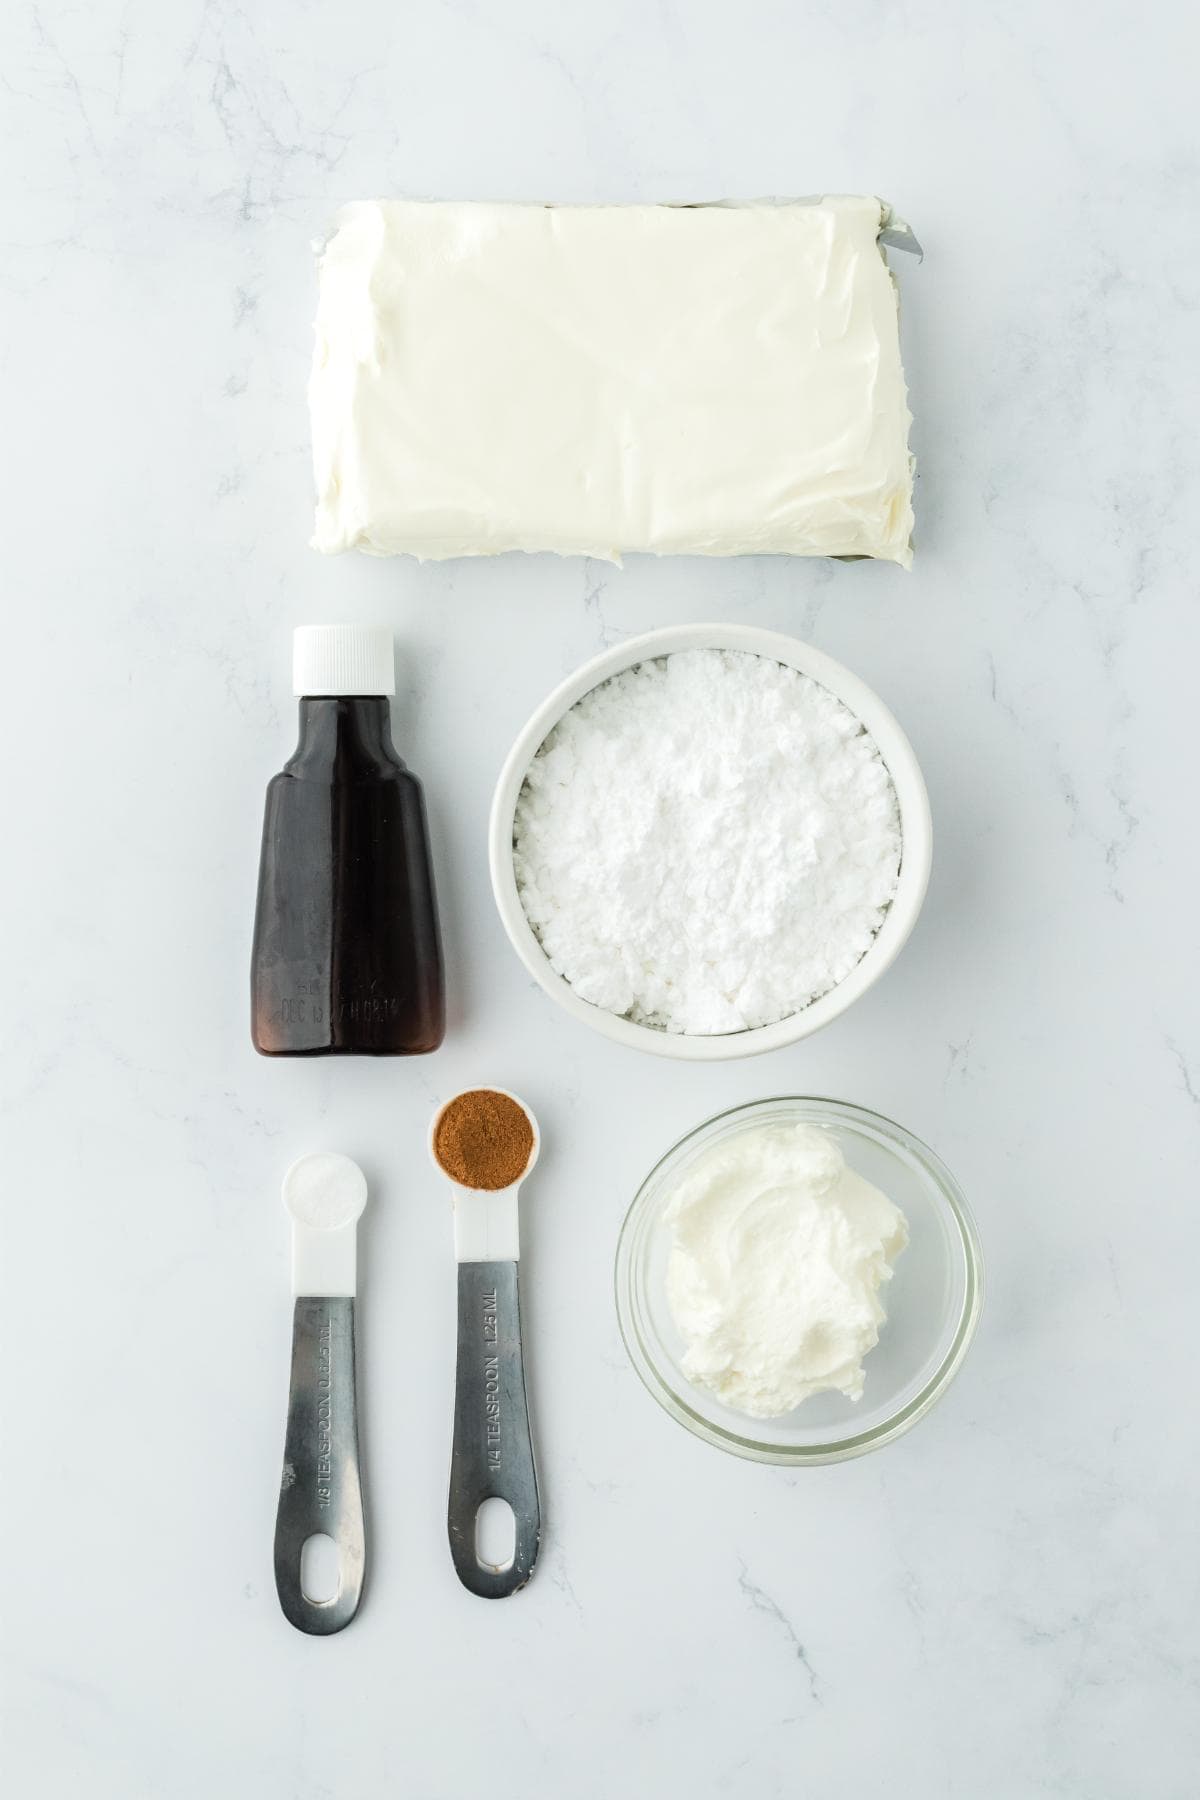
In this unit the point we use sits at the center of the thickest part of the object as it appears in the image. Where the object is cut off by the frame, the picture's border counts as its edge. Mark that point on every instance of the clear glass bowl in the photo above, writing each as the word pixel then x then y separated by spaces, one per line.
pixel 933 1300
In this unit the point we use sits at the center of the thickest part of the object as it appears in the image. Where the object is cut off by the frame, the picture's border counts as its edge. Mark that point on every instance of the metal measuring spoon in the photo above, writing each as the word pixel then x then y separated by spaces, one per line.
pixel 492 1451
pixel 320 1493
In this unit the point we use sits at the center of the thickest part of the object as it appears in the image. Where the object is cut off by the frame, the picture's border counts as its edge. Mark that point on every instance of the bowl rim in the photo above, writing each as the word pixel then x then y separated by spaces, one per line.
pixel 743 1444
pixel 916 837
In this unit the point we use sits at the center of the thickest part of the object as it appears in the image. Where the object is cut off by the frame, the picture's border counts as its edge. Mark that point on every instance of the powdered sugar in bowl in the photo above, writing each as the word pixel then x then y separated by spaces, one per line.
pixel 709 841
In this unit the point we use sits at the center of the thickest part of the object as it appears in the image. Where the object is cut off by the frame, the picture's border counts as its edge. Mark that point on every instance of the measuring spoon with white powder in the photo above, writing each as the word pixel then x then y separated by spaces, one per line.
pixel 320 1495
pixel 486 1141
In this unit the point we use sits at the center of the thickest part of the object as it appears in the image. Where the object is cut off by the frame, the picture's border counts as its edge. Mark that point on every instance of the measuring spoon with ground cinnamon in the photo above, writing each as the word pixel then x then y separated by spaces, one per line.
pixel 485 1141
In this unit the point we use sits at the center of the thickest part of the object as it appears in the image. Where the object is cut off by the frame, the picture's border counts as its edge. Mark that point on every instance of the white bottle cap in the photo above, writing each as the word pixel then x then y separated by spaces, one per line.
pixel 343 659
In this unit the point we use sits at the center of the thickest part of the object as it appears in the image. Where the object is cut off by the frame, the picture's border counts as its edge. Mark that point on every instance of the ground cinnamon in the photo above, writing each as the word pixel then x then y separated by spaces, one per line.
pixel 483 1139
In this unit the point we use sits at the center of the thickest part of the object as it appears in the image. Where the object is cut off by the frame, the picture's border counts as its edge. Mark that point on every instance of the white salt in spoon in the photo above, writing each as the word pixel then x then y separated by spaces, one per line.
pixel 320 1494
pixel 492 1452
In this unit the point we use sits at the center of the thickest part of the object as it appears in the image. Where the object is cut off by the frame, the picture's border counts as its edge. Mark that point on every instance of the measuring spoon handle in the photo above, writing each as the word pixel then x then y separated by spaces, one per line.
pixel 320 1492
pixel 492 1452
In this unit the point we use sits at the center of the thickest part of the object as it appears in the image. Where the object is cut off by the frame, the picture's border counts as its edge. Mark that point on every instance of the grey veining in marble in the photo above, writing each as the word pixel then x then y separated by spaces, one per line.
pixel 1004 1604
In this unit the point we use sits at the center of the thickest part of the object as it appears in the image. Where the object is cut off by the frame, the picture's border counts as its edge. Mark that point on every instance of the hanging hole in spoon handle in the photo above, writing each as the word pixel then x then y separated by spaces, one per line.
pixel 492 1454
pixel 320 1494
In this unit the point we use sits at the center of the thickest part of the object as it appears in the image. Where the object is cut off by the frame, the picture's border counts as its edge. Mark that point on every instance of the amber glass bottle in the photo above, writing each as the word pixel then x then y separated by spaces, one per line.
pixel 347 956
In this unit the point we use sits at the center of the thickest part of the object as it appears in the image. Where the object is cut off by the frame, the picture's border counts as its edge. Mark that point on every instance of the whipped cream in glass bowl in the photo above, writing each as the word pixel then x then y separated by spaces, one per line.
pixel 919 1298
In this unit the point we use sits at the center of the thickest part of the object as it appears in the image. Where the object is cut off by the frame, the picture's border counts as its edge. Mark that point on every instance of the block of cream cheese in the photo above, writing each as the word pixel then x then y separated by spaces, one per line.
pixel 593 379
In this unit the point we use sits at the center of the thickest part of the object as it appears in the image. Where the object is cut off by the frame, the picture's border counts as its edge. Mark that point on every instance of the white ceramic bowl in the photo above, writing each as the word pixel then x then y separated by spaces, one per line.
pixel 915 834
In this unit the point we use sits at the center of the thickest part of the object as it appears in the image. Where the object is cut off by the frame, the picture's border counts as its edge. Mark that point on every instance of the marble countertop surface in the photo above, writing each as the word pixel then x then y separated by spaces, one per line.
pixel 1003 1604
